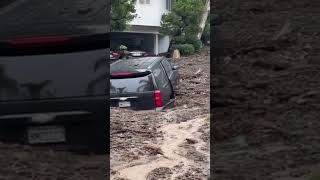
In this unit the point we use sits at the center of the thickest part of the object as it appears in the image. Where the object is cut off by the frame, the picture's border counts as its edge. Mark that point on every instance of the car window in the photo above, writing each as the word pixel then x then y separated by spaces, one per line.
pixel 167 66
pixel 160 76
pixel 131 85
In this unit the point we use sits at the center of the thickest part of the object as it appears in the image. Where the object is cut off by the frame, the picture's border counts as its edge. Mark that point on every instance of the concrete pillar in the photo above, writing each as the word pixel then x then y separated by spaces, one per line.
pixel 156 44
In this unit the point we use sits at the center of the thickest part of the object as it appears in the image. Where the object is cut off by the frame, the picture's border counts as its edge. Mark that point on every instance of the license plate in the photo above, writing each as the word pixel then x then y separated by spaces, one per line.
pixel 46 134
pixel 124 104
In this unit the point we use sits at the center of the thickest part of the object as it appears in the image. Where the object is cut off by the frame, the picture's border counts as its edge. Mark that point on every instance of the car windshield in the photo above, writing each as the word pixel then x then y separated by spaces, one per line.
pixel 131 85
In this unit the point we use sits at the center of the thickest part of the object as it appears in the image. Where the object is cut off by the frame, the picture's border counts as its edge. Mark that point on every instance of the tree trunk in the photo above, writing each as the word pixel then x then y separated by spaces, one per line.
pixel 204 18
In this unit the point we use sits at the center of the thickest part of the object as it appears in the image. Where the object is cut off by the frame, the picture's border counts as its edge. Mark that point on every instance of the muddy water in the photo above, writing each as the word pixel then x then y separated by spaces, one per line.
pixel 174 136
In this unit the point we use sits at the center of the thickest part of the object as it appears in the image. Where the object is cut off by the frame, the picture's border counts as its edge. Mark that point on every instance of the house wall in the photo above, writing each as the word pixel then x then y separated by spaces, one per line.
pixel 163 44
pixel 149 14
pixel 145 27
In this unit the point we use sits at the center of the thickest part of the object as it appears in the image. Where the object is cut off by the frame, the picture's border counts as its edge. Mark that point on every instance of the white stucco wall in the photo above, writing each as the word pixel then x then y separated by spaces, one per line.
pixel 148 22
pixel 163 44
pixel 149 14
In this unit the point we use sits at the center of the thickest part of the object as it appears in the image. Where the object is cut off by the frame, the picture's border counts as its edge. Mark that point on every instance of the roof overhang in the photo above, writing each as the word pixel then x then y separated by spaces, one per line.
pixel 143 29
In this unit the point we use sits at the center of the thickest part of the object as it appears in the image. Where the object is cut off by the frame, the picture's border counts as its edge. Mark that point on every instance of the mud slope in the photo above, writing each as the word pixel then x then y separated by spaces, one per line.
pixel 266 97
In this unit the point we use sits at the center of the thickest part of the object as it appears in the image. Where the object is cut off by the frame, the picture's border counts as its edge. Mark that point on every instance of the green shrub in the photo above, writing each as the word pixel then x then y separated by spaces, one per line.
pixel 191 38
pixel 197 44
pixel 180 39
pixel 185 49
pixel 176 46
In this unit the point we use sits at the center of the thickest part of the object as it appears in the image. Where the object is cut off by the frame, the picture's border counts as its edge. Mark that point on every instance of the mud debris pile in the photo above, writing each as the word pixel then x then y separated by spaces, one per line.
pixel 266 97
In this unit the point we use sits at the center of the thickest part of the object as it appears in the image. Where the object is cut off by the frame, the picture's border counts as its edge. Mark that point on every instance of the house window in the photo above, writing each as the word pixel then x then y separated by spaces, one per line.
pixel 144 1
pixel 168 5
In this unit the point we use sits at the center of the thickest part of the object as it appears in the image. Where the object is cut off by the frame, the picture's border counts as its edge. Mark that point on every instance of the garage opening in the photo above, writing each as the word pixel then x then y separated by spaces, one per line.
pixel 134 41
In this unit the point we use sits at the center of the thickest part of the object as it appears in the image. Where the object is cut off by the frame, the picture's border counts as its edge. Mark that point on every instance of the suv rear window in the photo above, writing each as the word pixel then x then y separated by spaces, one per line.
pixel 131 85
pixel 36 18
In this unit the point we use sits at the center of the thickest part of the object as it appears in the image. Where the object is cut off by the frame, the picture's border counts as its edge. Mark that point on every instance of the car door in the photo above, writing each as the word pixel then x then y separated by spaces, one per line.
pixel 172 73
pixel 163 83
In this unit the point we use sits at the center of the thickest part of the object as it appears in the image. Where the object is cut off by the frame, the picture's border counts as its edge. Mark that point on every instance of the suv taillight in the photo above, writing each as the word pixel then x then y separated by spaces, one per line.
pixel 115 54
pixel 158 98
pixel 38 41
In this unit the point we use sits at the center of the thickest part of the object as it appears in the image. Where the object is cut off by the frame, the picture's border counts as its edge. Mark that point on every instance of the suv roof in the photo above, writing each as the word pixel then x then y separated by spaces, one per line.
pixel 41 18
pixel 134 65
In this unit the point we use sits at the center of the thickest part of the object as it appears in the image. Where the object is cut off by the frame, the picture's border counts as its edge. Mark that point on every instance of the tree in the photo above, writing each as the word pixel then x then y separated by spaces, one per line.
pixel 182 23
pixel 206 32
pixel 183 19
pixel 122 12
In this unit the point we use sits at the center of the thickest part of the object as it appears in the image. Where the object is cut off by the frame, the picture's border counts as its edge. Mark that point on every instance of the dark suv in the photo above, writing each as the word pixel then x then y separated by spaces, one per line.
pixel 143 83
pixel 52 74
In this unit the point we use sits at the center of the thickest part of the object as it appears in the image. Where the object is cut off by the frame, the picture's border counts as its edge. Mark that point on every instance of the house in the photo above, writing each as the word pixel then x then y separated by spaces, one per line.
pixel 143 33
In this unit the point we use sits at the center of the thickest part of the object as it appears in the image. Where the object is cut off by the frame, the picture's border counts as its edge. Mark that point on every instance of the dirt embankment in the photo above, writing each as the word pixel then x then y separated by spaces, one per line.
pixel 266 92
pixel 166 145
pixel 25 163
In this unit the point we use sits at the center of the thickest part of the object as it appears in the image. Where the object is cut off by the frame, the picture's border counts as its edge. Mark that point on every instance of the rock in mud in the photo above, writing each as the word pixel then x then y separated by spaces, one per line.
pixel 194 174
pixel 191 141
pixel 162 173
pixel 153 149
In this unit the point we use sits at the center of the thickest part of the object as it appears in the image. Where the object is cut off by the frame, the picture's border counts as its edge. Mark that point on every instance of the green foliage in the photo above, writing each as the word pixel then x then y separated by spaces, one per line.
pixel 179 39
pixel 197 44
pixel 123 47
pixel 185 49
pixel 184 18
pixel 171 24
pixel 182 23
pixel 122 12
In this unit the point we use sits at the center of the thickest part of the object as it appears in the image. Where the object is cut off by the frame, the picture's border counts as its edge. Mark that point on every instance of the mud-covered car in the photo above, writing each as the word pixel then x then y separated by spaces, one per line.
pixel 143 83
pixel 117 54
pixel 138 53
pixel 51 89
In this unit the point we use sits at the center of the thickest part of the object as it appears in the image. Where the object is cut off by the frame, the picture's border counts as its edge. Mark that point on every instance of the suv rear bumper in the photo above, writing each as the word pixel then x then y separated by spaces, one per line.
pixel 81 117
pixel 96 104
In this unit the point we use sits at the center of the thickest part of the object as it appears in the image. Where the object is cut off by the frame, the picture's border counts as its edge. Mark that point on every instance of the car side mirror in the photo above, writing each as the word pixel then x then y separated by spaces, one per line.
pixel 175 67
